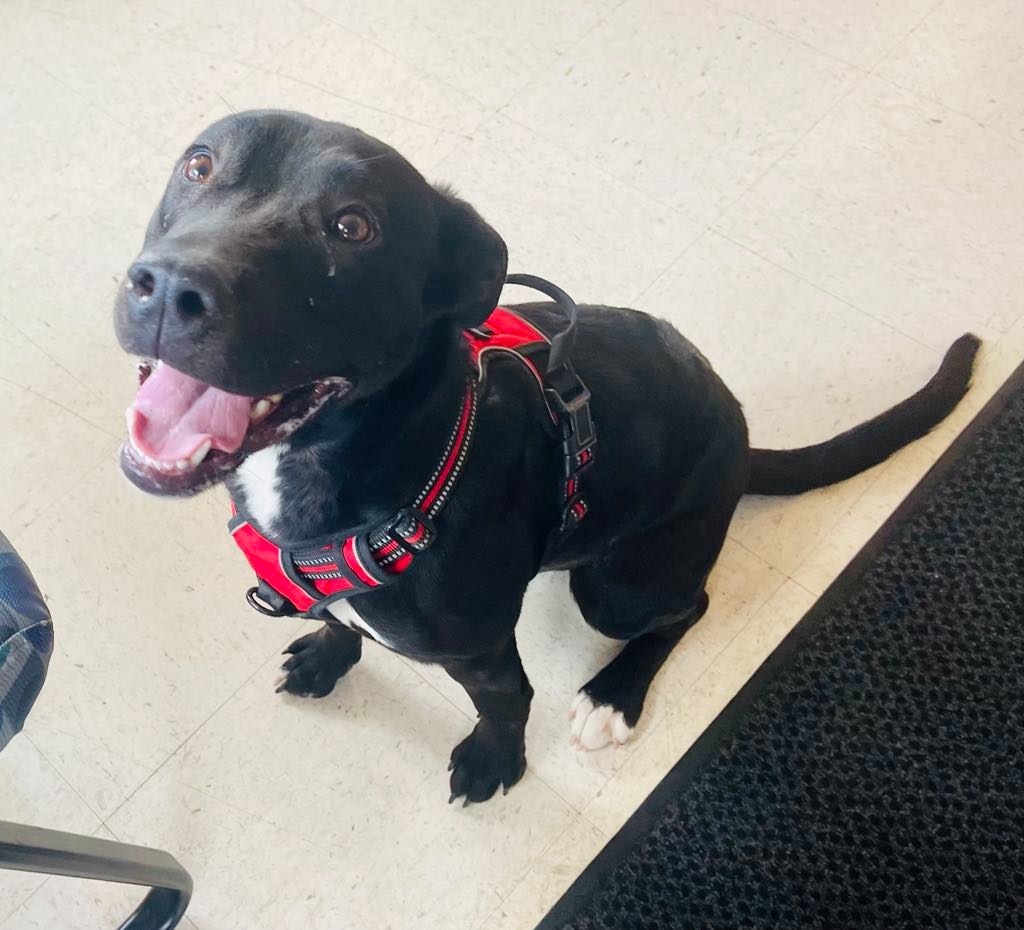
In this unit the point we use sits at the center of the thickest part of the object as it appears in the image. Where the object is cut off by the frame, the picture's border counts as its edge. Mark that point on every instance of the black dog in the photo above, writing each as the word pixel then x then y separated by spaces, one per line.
pixel 302 294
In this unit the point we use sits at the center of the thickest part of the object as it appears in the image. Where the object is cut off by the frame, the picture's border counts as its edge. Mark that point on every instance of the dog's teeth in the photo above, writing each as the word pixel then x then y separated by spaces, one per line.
pixel 275 398
pixel 259 410
pixel 181 464
pixel 196 457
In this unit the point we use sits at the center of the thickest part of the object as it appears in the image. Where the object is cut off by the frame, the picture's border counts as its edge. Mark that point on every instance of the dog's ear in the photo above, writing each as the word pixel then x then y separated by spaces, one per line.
pixel 469 267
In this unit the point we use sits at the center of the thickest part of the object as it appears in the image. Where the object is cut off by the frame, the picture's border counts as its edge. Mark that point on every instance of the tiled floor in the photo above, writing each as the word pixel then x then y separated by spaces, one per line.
pixel 820 194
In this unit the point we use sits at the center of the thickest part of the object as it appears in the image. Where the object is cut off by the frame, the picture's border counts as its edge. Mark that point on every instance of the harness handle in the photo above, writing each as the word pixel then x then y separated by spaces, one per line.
pixel 561 342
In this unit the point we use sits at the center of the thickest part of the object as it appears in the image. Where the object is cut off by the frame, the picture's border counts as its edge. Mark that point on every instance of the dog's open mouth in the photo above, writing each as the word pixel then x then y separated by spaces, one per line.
pixel 184 435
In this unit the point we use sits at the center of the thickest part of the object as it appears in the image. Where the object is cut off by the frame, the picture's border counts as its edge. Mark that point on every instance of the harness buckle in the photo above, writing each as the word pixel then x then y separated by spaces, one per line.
pixel 411 528
pixel 571 398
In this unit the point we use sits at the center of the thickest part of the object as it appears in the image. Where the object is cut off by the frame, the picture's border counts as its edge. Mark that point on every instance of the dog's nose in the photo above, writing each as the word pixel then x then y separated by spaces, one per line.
pixel 188 298
pixel 154 287
pixel 147 284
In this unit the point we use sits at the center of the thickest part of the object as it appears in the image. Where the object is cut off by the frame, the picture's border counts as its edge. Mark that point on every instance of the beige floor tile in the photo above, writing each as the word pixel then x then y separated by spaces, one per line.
pixel 548 878
pixel 906 210
pixel 102 777
pixel 337 60
pixel 381 736
pixel 58 143
pixel 34 793
pixel 240 32
pixel 27 366
pixel 63 450
pixel 969 57
pixel 487 50
pixel 362 773
pixel 697 115
pixel 565 219
pixel 130 77
pixel 152 633
pixel 858 33
pixel 247 872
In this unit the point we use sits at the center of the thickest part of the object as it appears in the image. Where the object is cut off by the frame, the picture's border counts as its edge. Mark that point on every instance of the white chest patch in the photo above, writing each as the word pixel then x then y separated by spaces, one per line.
pixel 258 478
pixel 341 611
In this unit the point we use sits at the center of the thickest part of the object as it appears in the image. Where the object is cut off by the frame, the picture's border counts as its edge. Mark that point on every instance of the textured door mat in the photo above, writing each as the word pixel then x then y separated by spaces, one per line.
pixel 871 773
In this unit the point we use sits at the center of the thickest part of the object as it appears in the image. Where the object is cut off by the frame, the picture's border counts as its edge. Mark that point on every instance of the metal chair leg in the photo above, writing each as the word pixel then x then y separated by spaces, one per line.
pixel 52 852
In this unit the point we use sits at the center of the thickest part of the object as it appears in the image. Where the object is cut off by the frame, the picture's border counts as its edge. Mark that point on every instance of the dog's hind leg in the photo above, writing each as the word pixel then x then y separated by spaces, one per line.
pixel 649 592
pixel 607 707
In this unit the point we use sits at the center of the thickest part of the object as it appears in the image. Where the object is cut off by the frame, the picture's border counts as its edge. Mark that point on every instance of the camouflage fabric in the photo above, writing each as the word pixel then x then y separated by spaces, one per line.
pixel 26 641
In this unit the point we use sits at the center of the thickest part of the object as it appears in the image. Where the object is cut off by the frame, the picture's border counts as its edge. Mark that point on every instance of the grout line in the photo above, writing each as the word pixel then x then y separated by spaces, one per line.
pixel 415 66
pixel 779 31
pixel 935 101
pixel 856 85
pixel 842 98
pixel 601 169
pixel 549 69
pixel 60 498
pixel 892 48
pixel 604 834
pixel 805 589
pixel 56 364
pixel 490 920
pixel 20 904
pixel 175 751
pixel 159 38
pixel 818 287
pixel 362 104
pixel 671 264
pixel 57 403
pixel 60 775
pixel 705 221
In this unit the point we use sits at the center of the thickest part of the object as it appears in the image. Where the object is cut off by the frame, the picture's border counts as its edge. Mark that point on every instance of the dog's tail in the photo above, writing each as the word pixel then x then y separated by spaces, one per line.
pixel 793 471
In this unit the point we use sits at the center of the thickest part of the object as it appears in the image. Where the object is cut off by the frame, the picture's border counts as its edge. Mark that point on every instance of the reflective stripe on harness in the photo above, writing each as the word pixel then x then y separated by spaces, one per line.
pixel 308 579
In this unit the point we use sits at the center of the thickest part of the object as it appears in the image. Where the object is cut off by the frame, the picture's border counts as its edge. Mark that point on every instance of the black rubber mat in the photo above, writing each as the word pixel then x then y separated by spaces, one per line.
pixel 871 774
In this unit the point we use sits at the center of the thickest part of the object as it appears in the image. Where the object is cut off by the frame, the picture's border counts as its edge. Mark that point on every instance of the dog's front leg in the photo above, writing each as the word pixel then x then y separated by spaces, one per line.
pixel 495 752
pixel 317 660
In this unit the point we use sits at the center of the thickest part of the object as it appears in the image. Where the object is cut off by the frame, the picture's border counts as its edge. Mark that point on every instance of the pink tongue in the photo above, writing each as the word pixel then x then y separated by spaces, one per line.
pixel 174 414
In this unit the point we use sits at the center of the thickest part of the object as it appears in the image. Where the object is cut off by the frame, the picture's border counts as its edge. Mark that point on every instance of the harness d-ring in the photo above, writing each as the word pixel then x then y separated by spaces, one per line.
pixel 257 603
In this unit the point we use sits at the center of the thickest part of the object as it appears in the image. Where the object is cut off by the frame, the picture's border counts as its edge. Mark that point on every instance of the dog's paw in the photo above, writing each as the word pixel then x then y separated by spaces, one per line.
pixel 594 726
pixel 314 665
pixel 481 763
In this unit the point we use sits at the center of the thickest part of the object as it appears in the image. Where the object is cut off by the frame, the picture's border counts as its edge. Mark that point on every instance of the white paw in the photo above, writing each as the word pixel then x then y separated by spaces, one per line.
pixel 595 726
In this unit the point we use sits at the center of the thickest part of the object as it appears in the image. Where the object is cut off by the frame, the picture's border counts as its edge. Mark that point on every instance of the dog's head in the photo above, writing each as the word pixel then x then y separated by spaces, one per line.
pixel 292 263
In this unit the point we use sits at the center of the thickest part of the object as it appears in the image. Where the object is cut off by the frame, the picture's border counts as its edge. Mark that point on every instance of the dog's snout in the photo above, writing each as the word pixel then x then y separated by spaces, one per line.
pixel 166 290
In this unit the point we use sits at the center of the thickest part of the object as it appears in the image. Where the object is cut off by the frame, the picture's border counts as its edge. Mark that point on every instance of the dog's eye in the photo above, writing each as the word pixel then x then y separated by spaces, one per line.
pixel 198 167
pixel 354 227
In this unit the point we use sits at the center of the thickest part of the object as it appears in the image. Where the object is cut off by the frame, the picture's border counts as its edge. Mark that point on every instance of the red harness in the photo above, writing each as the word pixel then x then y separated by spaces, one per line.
pixel 308 579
